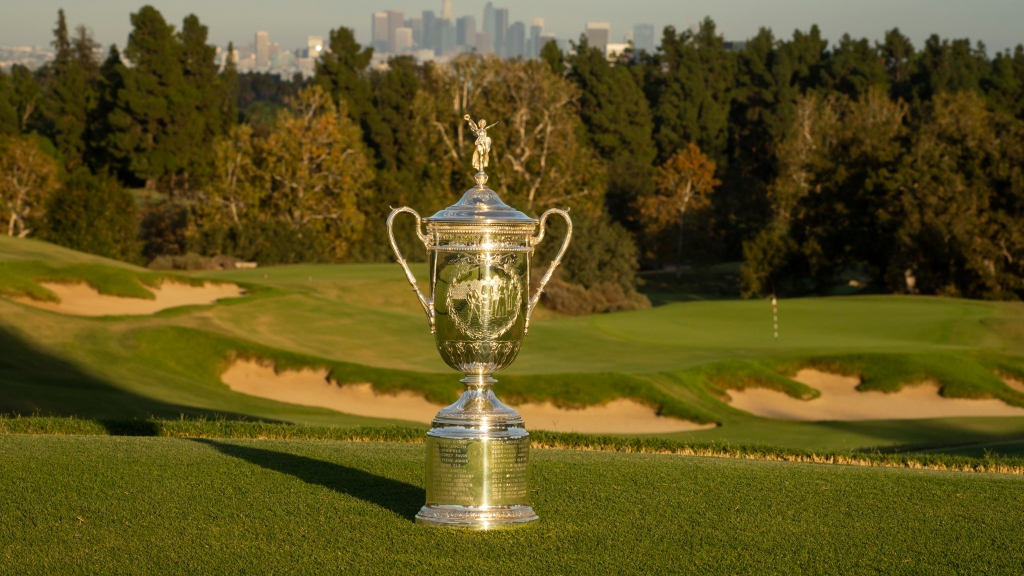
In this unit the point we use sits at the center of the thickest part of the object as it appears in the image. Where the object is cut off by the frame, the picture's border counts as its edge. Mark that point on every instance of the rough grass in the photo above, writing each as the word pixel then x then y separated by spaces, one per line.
pixel 22 278
pixel 77 504
pixel 236 429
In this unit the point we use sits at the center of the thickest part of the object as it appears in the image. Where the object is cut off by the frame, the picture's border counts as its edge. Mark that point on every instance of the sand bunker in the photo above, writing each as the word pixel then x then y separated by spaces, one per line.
pixel 84 300
pixel 1014 383
pixel 840 400
pixel 309 387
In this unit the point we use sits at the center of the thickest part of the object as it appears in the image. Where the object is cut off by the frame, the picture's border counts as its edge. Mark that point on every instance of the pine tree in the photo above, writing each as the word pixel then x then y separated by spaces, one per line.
pixel 693 95
pixel 143 130
pixel 552 55
pixel 203 115
pixel 618 125
pixel 70 94
pixel 948 67
pixel 854 66
pixel 341 72
pixel 8 112
pixel 898 56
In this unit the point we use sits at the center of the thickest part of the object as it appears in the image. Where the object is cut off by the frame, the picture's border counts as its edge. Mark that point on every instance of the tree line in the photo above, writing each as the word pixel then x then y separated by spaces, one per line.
pixel 815 164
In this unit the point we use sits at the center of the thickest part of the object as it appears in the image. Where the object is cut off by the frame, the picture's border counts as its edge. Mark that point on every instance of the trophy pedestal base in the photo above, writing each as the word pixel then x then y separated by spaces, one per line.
pixel 472 518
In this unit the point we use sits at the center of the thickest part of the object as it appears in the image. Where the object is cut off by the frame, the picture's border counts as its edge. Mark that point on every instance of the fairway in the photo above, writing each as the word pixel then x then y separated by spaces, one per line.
pixel 179 506
pixel 359 324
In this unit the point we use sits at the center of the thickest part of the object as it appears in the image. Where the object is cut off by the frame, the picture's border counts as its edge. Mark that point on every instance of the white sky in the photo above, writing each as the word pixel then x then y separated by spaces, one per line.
pixel 998 23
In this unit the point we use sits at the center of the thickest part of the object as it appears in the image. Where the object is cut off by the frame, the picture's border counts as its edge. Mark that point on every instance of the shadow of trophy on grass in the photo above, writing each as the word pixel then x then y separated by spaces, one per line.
pixel 480 256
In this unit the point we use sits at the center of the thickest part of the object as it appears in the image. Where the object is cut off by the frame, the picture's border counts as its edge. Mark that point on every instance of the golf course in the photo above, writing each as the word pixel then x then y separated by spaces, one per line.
pixel 178 422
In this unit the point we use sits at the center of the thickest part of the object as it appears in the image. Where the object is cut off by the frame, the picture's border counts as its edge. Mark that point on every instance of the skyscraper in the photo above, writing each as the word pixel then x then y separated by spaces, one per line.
pixel 417 30
pixel 515 41
pixel 379 40
pixel 314 46
pixel 429 31
pixel 446 9
pixel 500 30
pixel 643 38
pixel 403 40
pixel 396 20
pixel 533 42
pixel 262 49
pixel 597 34
pixel 488 26
pixel 465 31
pixel 445 36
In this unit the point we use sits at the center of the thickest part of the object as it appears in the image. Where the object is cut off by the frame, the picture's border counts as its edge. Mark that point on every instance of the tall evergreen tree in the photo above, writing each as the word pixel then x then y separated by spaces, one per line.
pixel 70 92
pixel 146 123
pixel 948 67
pixel 692 92
pixel 8 112
pixel 552 55
pixel 898 54
pixel 619 127
pixel 854 66
pixel 341 72
pixel 204 116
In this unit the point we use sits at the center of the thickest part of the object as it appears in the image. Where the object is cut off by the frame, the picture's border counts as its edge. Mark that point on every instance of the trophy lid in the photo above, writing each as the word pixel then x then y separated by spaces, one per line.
pixel 481 205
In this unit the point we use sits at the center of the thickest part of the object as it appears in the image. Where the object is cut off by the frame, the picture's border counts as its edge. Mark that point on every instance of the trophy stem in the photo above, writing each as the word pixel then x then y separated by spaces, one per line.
pixel 479 382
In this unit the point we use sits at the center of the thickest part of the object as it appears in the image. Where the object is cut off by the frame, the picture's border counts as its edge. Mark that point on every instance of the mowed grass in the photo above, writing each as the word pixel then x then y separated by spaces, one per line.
pixel 362 323
pixel 180 506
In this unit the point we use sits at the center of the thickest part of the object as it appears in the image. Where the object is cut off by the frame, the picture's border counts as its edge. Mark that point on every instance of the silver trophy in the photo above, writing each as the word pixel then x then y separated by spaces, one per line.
pixel 480 257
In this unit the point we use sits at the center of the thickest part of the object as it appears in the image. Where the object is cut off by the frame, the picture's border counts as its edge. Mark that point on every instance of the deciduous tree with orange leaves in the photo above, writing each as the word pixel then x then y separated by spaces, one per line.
pixel 685 181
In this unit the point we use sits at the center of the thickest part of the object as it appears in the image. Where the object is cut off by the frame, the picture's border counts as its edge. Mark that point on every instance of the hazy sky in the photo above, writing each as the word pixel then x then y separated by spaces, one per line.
pixel 998 23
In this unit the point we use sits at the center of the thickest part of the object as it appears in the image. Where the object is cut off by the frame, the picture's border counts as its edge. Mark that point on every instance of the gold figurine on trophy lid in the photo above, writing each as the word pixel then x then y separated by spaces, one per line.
pixel 480 257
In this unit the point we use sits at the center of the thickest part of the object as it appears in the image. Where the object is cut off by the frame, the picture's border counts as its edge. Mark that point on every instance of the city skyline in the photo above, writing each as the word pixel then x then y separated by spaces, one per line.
pixel 993 22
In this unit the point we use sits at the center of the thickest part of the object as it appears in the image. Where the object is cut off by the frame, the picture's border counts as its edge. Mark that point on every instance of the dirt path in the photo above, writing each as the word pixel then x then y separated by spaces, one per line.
pixel 314 388
pixel 840 400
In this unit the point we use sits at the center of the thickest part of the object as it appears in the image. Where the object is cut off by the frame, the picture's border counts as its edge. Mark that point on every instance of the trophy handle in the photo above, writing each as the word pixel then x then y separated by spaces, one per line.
pixel 554 263
pixel 427 303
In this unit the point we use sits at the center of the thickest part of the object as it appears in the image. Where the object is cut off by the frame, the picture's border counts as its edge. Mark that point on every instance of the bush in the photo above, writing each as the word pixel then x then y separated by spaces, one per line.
pixel 94 214
pixel 598 272
pixel 267 242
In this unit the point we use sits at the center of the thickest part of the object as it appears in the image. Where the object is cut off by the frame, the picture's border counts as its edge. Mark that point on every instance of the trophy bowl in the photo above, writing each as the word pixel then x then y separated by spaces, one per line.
pixel 480 253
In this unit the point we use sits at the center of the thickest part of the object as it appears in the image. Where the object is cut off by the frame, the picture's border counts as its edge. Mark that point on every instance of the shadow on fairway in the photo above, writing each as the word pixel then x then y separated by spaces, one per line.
pixel 35 381
pixel 401 498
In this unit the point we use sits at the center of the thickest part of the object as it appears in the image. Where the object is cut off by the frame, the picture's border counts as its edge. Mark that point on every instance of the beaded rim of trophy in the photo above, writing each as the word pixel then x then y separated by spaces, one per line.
pixel 480 259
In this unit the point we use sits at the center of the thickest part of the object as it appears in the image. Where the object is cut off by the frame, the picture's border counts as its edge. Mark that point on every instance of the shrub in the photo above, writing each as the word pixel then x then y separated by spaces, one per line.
pixel 93 214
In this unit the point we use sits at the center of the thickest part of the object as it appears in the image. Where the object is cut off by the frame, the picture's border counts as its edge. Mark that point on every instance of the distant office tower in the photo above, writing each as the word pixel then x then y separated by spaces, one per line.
pixel 465 31
pixel 597 34
pixel 380 32
pixel 314 46
pixel 488 27
pixel 446 39
pixel 429 31
pixel 500 30
pixel 448 36
pixel 403 40
pixel 515 41
pixel 533 42
pixel 483 43
pixel 396 20
pixel 446 9
pixel 417 30
pixel 262 49
pixel 643 38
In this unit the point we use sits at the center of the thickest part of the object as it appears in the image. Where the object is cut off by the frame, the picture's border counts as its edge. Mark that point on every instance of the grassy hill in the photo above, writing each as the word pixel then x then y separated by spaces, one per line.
pixel 361 322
